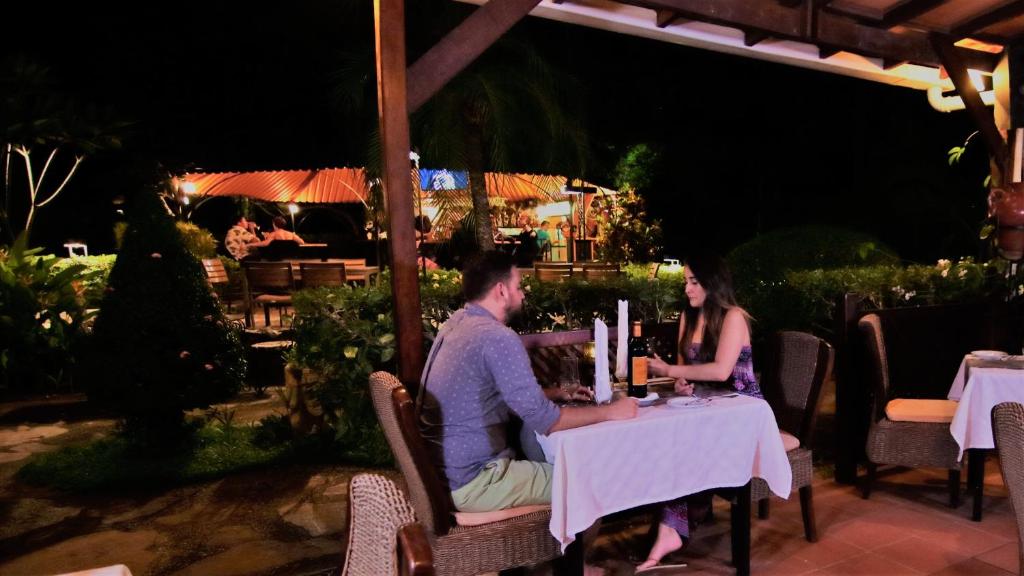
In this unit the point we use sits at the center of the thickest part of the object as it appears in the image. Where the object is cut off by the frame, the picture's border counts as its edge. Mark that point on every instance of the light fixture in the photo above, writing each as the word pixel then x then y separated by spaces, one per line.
pixel 293 209
pixel 188 188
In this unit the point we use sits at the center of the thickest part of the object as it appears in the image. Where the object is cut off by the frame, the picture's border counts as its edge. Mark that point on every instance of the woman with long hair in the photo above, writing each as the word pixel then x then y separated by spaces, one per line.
pixel 714 347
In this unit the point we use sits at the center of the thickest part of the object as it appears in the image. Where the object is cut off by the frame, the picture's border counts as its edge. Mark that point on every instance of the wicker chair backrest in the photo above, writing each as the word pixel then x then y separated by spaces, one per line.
pixel 377 509
pixel 396 413
pixel 1008 428
pixel 801 363
pixel 877 362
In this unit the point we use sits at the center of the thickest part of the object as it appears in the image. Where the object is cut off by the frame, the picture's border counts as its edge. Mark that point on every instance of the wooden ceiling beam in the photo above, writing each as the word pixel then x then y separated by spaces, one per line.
pixel 986 19
pixel 462 46
pixel 907 11
pixel 832 30
pixel 754 37
pixel 980 114
pixel 665 17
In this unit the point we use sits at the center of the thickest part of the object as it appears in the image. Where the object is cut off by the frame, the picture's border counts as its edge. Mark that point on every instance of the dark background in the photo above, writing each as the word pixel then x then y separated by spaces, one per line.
pixel 745 146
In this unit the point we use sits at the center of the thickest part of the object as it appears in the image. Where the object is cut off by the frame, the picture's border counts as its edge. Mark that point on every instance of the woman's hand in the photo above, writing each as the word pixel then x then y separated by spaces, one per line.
pixel 656 366
pixel 684 388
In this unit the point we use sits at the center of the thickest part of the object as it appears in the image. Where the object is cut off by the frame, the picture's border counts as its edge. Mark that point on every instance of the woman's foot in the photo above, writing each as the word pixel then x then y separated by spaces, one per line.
pixel 668 541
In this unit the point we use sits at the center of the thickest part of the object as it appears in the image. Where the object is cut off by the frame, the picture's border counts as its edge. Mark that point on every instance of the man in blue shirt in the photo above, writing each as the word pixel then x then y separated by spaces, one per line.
pixel 477 374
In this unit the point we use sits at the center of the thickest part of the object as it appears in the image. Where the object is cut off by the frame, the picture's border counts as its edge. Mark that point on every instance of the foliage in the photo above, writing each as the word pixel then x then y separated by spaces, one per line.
pixel 624 234
pixel 806 299
pixel 634 170
pixel 42 309
pixel 161 343
pixel 38 121
pixel 198 241
pixel 93 276
pixel 345 334
pixel 217 450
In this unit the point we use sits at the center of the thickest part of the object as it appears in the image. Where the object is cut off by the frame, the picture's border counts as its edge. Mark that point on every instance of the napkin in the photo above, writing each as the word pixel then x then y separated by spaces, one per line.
pixel 602 385
pixel 622 351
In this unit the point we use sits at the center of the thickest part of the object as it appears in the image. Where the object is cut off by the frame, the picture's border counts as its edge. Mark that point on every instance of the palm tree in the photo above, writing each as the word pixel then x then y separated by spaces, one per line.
pixel 508 109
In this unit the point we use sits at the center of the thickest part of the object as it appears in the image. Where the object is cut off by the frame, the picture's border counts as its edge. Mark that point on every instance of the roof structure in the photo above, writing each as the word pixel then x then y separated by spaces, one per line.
pixel 882 40
pixel 349 185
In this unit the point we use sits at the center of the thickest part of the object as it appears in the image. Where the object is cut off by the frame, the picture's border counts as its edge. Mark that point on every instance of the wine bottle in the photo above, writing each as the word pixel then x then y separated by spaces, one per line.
pixel 636 377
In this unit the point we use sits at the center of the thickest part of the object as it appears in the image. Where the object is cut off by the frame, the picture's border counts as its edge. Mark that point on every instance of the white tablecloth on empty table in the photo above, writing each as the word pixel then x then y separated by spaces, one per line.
pixel 986 387
pixel 662 454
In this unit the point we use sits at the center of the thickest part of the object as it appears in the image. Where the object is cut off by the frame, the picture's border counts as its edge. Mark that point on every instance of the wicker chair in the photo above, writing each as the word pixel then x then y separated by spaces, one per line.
pixel 801 362
pixel 1008 429
pixel 904 442
pixel 474 543
pixel 382 521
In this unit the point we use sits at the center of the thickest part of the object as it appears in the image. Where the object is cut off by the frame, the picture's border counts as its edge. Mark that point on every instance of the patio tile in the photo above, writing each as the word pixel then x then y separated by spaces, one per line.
pixel 962 538
pixel 867 532
pixel 867 564
pixel 922 554
pixel 972 567
pixel 1006 557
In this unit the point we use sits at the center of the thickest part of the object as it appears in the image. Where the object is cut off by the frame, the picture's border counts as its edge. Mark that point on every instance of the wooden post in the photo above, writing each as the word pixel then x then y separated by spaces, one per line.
pixel 393 116
pixel 851 429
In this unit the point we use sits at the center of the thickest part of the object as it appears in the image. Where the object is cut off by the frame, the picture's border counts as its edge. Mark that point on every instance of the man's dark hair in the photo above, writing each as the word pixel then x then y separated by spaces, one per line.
pixel 279 221
pixel 482 271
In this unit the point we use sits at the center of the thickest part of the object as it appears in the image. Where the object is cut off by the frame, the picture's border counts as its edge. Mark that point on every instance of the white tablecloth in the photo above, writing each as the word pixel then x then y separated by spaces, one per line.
pixel 662 454
pixel 985 388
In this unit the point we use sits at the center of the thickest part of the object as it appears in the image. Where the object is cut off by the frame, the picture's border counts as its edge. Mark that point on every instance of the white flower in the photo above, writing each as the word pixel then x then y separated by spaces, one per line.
pixel 962 273
pixel 156 255
pixel 898 290
pixel 943 263
pixel 39 315
pixel 945 272
pixel 1020 290
pixel 909 295
pixel 435 277
pixel 46 324
pixel 558 319
pixel 526 288
pixel 436 285
pixel 66 317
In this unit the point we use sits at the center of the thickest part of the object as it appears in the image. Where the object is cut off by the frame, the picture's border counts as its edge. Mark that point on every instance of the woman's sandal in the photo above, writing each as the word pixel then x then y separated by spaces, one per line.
pixel 660 566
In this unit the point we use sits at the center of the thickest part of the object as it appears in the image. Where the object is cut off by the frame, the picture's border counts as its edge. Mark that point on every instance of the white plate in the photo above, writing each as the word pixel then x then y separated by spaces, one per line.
pixel 989 354
pixel 688 402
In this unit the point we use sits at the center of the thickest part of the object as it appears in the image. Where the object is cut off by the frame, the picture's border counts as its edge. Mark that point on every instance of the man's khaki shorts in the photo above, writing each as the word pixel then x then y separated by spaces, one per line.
pixel 506 483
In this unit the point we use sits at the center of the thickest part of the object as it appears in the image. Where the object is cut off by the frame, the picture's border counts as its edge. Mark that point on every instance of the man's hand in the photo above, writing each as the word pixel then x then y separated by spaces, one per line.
pixel 582 394
pixel 622 409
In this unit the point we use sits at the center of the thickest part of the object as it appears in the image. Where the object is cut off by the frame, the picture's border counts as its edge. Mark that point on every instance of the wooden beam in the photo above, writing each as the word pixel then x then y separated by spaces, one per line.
pixel 393 117
pixel 665 17
pixel 907 11
pixel 754 37
pixel 833 30
pixel 889 63
pixel 987 18
pixel 463 45
pixel 982 116
pixel 827 51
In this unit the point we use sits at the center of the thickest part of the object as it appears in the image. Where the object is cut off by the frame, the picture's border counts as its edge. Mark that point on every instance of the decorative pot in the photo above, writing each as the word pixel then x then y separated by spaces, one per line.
pixel 1006 204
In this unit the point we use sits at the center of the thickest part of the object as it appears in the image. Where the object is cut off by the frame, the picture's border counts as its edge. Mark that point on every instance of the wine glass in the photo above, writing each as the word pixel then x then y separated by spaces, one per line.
pixel 569 375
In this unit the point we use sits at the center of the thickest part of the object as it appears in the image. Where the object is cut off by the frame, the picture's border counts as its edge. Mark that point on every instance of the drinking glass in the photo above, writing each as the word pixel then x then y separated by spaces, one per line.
pixel 569 375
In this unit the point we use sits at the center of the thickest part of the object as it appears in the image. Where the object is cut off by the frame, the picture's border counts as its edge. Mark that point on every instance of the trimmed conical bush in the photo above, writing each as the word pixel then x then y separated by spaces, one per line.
pixel 161 344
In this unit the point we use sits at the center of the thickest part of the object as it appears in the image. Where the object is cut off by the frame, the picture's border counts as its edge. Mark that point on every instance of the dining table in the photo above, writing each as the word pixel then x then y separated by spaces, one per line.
pixel 354 273
pixel 668 451
pixel 979 385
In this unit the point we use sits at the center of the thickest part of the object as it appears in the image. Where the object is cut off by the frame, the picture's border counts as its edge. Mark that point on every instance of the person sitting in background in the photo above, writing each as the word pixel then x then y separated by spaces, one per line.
pixel 241 239
pixel 544 240
pixel 423 229
pixel 280 233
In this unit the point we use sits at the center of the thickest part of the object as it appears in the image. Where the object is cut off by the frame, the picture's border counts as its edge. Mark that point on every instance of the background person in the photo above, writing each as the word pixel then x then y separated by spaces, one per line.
pixel 280 232
pixel 241 239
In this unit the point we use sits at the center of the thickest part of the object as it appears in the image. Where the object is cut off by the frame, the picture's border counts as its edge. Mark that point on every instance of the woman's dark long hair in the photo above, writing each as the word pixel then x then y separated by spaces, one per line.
pixel 714 276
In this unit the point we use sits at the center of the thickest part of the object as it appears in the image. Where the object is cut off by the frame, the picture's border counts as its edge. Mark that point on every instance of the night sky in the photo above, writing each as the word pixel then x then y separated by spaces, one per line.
pixel 746 146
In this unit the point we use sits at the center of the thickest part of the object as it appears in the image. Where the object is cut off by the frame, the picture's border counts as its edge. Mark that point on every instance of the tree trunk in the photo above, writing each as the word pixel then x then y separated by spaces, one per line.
pixel 478 188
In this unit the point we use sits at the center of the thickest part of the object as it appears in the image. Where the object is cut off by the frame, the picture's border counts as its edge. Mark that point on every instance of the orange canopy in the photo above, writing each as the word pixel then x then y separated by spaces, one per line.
pixel 347 185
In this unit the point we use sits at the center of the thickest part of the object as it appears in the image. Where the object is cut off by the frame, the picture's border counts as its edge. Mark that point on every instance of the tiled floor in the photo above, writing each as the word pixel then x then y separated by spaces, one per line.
pixel 905 527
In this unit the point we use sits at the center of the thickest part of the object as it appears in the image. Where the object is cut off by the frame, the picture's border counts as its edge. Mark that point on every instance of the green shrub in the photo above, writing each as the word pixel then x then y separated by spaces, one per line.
pixel 198 241
pixel 42 310
pixel 114 462
pixel 344 334
pixel 92 278
pixel 161 344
